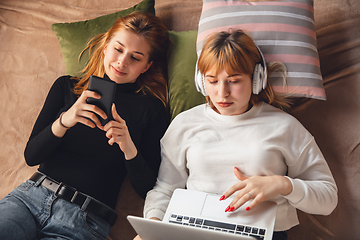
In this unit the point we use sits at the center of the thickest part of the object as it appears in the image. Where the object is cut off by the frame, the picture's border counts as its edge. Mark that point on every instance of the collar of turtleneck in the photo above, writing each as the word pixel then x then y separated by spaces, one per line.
pixel 124 87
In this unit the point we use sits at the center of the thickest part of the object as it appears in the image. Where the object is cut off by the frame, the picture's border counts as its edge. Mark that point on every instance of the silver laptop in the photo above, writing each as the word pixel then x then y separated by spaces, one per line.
pixel 198 215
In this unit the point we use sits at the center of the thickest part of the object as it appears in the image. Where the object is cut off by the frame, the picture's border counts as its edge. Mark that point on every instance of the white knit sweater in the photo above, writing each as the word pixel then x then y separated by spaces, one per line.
pixel 201 148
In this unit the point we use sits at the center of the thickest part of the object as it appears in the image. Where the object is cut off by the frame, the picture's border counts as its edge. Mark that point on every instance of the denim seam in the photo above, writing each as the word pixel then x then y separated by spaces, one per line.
pixel 45 213
pixel 97 235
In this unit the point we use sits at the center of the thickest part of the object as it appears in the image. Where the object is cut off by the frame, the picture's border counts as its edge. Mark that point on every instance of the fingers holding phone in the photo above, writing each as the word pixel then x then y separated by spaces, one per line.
pixel 92 108
pixel 80 112
pixel 83 112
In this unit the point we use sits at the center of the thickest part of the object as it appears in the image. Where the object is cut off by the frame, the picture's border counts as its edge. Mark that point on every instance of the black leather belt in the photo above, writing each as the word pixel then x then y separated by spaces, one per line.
pixel 71 195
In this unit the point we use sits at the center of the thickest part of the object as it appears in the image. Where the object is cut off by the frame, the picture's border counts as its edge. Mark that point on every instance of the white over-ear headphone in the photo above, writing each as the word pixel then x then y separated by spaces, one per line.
pixel 200 81
pixel 259 77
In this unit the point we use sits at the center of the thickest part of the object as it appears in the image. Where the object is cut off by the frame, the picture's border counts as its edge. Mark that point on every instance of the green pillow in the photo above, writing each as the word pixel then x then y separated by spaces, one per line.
pixel 181 67
pixel 74 36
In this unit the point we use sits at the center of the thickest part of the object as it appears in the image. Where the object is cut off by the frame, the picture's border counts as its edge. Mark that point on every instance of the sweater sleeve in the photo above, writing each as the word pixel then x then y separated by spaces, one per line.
pixel 314 188
pixel 143 169
pixel 42 142
pixel 172 174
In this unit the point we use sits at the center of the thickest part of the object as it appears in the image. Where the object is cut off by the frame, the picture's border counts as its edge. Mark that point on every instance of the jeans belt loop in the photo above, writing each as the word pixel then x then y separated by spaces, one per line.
pixel 38 182
pixel 56 193
pixel 74 196
pixel 85 204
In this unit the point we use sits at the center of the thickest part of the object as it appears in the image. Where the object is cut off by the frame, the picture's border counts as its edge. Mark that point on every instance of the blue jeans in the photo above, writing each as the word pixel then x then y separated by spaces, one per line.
pixel 32 212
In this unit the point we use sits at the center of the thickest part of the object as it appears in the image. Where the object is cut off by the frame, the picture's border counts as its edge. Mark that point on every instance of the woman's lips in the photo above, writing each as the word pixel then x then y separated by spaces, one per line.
pixel 224 104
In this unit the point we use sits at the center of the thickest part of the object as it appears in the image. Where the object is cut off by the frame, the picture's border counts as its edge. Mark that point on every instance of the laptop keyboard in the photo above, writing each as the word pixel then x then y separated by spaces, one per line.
pixel 257 233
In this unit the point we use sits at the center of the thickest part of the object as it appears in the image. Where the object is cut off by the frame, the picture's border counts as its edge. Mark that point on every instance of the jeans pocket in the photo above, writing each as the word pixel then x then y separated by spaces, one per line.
pixel 25 186
pixel 98 227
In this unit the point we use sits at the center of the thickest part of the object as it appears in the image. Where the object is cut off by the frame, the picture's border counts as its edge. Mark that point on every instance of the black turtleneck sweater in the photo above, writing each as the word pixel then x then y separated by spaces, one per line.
pixel 83 159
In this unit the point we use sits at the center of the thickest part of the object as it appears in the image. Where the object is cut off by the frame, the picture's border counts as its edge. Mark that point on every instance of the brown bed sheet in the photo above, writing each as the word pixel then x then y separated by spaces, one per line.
pixel 30 61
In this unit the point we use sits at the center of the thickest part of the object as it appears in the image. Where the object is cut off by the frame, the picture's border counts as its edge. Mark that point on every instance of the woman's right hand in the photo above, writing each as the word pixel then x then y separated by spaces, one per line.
pixel 258 188
pixel 80 112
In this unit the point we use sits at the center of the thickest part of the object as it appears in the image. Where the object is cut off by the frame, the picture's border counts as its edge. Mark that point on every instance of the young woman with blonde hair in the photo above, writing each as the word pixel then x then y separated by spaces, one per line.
pixel 74 192
pixel 240 141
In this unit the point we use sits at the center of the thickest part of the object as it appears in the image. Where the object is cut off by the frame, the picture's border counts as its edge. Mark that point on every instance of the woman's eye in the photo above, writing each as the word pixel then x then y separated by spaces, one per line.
pixel 234 79
pixel 121 51
pixel 212 81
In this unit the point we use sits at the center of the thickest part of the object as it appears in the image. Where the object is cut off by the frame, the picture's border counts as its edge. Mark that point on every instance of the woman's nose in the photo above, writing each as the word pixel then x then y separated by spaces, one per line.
pixel 224 90
pixel 122 61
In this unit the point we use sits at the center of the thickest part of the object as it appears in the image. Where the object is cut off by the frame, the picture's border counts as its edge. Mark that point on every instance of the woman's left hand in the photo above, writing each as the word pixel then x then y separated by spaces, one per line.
pixel 258 188
pixel 117 132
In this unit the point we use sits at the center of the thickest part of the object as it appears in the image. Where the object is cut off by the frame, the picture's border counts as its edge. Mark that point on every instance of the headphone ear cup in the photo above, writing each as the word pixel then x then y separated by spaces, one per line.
pixel 258 77
pixel 200 82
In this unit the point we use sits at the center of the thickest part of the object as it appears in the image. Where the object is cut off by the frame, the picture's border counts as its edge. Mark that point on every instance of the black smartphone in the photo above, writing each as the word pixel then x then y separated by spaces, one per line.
pixel 106 88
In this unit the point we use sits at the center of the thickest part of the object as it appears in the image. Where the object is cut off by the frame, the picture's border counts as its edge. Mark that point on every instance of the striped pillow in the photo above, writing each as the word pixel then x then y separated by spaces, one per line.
pixel 284 31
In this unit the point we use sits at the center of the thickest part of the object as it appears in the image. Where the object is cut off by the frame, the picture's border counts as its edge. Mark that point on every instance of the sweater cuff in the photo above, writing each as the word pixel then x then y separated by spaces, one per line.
pixel 298 191
pixel 134 164
pixel 155 213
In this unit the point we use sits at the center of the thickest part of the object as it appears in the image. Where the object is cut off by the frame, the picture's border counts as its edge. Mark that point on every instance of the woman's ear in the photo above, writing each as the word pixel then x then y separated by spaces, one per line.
pixel 105 48
pixel 147 67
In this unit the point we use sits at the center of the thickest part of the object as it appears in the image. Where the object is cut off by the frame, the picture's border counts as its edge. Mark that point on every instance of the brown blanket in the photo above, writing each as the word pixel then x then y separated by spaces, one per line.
pixel 30 61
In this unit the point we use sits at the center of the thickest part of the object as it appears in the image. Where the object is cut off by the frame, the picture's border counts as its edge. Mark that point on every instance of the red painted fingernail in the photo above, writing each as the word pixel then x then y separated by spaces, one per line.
pixel 231 209
pixel 247 209
pixel 222 197
pixel 227 209
pixel 236 168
